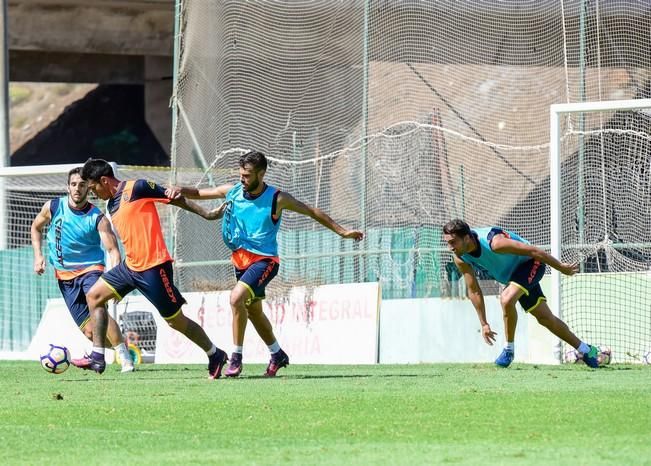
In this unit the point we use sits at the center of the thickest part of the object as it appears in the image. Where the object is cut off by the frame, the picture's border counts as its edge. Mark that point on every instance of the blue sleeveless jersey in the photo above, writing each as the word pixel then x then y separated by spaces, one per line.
pixel 247 223
pixel 498 266
pixel 73 240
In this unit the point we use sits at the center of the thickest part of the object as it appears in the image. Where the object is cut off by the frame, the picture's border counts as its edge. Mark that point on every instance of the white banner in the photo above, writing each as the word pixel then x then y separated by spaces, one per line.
pixel 331 324
pixel 58 328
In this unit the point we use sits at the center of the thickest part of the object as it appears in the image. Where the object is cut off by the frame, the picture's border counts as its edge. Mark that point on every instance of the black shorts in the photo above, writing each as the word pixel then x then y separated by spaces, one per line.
pixel 74 294
pixel 527 277
pixel 257 276
pixel 156 284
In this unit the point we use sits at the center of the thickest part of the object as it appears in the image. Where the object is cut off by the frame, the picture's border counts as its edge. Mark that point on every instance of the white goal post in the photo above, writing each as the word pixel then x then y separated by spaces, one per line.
pixel 568 121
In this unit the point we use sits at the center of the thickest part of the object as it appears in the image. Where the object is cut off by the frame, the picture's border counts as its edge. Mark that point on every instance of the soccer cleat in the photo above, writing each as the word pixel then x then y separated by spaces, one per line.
pixel 127 365
pixel 234 369
pixel 505 359
pixel 278 360
pixel 94 362
pixel 216 363
pixel 591 358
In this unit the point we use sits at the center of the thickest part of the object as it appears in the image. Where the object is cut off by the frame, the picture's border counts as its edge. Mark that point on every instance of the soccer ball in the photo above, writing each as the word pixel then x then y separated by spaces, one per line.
pixel 605 355
pixel 56 359
pixel 646 359
pixel 572 356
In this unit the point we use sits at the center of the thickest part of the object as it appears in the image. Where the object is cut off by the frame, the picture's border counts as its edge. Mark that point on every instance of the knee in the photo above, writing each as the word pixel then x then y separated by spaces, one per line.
pixel 507 302
pixel 177 323
pixel 546 320
pixel 238 303
pixel 88 331
pixel 93 299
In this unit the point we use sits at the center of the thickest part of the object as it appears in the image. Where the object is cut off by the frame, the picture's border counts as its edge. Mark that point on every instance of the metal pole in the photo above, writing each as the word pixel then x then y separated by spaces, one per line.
pixel 5 150
pixel 364 154
pixel 581 151
pixel 555 210
pixel 175 110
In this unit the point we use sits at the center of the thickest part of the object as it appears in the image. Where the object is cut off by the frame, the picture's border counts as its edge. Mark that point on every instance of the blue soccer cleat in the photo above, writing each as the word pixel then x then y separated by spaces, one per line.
pixel 591 358
pixel 505 359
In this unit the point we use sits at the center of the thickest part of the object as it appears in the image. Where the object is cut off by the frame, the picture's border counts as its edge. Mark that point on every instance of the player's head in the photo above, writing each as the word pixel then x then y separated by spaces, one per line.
pixel 98 173
pixel 77 187
pixel 253 166
pixel 457 235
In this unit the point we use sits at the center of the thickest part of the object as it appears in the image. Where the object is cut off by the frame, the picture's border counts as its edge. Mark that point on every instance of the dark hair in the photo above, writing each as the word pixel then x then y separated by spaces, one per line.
pixel 254 158
pixel 456 227
pixel 94 169
pixel 74 171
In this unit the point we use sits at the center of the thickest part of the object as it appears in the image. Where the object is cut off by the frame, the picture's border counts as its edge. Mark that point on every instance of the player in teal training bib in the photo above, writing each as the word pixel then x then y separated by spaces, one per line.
pixel 512 261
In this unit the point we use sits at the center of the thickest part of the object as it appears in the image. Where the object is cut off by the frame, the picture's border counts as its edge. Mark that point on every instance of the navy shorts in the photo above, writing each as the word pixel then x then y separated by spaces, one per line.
pixel 156 284
pixel 74 294
pixel 527 277
pixel 257 276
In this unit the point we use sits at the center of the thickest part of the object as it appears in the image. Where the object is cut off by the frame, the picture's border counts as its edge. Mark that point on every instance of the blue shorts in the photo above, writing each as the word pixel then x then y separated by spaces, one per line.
pixel 74 294
pixel 527 277
pixel 156 284
pixel 257 276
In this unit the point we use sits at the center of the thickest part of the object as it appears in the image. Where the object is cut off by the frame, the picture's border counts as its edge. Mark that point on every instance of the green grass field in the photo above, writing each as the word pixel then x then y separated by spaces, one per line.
pixel 415 414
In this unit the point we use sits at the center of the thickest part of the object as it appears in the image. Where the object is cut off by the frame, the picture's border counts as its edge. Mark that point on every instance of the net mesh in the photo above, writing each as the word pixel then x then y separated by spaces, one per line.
pixel 392 116
pixel 23 293
pixel 605 194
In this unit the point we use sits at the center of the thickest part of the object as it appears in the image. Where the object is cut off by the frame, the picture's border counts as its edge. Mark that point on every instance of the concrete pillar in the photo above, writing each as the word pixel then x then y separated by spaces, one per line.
pixel 158 90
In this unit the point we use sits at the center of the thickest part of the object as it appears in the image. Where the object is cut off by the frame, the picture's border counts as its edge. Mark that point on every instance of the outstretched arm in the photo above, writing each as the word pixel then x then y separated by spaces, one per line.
pixel 503 245
pixel 109 241
pixel 476 298
pixel 217 192
pixel 286 202
pixel 193 207
pixel 41 219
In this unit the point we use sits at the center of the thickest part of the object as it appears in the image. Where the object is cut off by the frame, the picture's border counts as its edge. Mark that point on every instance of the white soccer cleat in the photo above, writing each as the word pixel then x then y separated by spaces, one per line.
pixel 127 365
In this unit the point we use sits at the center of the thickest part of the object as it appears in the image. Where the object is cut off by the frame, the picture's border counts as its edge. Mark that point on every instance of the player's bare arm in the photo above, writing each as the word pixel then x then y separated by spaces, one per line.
pixel 109 241
pixel 193 207
pixel 287 202
pixel 476 298
pixel 217 192
pixel 40 221
pixel 503 245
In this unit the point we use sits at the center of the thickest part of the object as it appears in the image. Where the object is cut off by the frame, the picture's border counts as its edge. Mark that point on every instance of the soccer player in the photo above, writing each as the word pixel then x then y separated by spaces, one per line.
pixel 148 264
pixel 512 261
pixel 249 228
pixel 77 232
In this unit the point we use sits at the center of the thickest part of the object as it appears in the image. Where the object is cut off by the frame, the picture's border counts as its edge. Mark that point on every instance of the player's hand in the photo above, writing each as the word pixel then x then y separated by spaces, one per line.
pixel 173 192
pixel 569 269
pixel 215 214
pixel 354 234
pixel 39 265
pixel 488 334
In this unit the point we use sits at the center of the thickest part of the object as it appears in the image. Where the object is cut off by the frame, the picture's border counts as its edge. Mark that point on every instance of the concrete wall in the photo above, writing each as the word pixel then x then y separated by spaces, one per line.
pixel 437 330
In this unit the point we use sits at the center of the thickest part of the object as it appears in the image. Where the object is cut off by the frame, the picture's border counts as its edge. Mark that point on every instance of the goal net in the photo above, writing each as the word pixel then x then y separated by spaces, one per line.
pixel 393 117
pixel 23 293
pixel 601 197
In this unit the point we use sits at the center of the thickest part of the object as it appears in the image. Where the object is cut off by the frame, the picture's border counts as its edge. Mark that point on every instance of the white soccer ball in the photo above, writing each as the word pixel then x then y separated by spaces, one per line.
pixel 572 356
pixel 646 358
pixel 605 355
pixel 56 359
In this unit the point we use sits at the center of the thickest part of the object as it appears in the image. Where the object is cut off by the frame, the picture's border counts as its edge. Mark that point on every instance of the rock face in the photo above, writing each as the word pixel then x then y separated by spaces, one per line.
pixel 50 126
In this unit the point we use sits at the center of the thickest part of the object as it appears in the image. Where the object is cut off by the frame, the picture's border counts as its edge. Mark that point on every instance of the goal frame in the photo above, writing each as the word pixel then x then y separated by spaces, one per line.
pixel 556 112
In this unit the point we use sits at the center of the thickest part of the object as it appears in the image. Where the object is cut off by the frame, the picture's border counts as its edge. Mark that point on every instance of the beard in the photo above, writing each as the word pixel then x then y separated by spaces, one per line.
pixel 252 186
